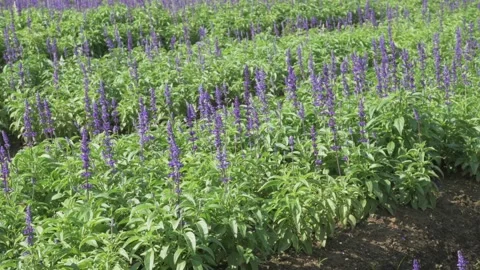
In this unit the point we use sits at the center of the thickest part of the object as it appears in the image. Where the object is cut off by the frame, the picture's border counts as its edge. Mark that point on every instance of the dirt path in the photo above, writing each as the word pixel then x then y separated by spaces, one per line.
pixel 391 242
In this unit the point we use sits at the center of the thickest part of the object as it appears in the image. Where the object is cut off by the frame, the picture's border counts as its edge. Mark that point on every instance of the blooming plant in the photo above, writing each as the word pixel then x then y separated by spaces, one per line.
pixel 154 135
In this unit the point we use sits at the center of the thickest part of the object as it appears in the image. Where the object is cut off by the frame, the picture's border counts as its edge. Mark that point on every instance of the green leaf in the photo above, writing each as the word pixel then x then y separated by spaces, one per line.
pixel 191 240
pixel 57 196
pixel 164 252
pixel 136 266
pixel 197 265
pixel 390 148
pixel 124 253
pixel 149 259
pixel 202 228
pixel 352 220
pixel 177 255
pixel 333 208
pixel 399 123
pixel 181 265
pixel 234 226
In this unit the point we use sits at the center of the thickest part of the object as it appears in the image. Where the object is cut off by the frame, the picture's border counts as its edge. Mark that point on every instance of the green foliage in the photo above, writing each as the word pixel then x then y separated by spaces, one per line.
pixel 284 191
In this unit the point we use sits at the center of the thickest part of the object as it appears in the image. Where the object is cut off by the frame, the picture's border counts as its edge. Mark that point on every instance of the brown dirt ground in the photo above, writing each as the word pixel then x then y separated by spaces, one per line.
pixel 383 241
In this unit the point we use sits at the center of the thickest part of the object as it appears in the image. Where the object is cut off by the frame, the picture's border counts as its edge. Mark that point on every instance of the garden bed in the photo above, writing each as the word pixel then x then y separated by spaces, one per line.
pixel 384 241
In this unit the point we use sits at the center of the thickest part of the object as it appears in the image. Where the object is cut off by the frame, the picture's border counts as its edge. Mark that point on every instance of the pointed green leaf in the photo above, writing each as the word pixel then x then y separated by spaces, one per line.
pixel 149 259
pixel 202 228
pixel 191 240
pixel 399 123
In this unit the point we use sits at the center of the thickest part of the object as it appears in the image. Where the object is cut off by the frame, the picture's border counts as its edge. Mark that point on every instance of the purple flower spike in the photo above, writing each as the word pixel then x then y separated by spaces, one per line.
pixel 191 116
pixel 50 127
pixel 261 89
pixel 291 84
pixel 6 141
pixel 115 116
pixel 218 97
pixel 143 126
pixel 462 262
pixel 4 159
pixel 237 115
pixel 28 133
pixel 108 151
pixel 416 116
pixel 28 229
pixel 291 143
pixel 153 104
pixel 174 161
pixel 221 151
pixel 313 135
pixel 41 112
pixel 343 71
pixel 301 111
pixel 416 264
pixel 246 85
pixel 97 121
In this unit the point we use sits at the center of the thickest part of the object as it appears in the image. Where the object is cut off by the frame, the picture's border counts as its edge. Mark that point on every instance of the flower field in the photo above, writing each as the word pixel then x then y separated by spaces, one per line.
pixel 189 134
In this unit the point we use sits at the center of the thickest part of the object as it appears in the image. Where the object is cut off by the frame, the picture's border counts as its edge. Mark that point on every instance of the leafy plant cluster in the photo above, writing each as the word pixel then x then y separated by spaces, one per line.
pixel 220 151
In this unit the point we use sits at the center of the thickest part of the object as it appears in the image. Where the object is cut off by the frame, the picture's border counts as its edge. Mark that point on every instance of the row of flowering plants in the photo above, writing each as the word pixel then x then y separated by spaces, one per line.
pixel 223 152
pixel 62 73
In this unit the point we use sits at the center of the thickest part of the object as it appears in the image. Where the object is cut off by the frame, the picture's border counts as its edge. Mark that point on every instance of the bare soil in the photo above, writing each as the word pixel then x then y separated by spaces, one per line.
pixel 383 241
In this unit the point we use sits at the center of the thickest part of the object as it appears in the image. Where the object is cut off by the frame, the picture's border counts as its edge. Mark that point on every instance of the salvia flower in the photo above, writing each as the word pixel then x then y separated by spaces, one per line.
pixel 301 111
pixel 291 85
pixel 50 126
pixel 28 231
pixel 313 135
pixel 458 50
pixel 115 116
pixel 462 262
pixel 108 151
pixel 143 125
pixel 96 119
pixel 41 112
pixel 291 143
pixel 174 160
pixel 416 116
pixel 28 133
pixel 359 69
pixel 6 143
pixel 153 104
pixel 106 126
pixel 422 59
pixel 246 85
pixel 5 171
pixel 343 71
pixel 416 264
pixel 261 89
pixel 237 115
pixel 220 148
pixel 204 104
pixel 408 76
pixel 191 116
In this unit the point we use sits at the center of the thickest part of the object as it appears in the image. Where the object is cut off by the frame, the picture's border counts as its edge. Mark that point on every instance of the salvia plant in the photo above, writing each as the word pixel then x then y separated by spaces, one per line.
pixel 154 135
